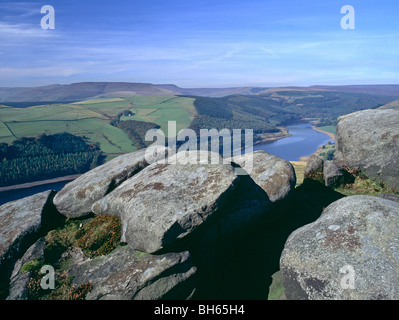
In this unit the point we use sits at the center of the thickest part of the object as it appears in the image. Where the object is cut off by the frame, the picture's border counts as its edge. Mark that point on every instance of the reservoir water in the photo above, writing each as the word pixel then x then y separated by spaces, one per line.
pixel 11 195
pixel 303 142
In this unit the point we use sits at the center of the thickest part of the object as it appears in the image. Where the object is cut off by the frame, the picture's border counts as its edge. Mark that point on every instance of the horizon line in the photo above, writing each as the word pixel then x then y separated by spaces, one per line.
pixel 209 86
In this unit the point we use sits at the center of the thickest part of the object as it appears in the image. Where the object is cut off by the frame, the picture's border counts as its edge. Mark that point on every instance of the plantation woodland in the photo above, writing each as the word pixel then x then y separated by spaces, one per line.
pixel 47 156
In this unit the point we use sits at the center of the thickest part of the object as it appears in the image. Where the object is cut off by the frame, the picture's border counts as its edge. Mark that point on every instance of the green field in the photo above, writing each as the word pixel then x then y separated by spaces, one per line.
pixel 91 118
pixel 299 167
pixel 332 129
pixel 161 109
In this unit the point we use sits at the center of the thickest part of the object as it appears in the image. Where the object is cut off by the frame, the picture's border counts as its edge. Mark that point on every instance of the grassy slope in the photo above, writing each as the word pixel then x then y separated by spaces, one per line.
pixel 161 109
pixel 332 129
pixel 276 290
pixel 267 111
pixel 299 167
pixel 91 118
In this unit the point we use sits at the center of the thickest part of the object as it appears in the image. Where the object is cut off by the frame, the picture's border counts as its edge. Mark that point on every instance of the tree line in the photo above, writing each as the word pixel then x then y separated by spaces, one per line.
pixel 46 156
pixel 135 130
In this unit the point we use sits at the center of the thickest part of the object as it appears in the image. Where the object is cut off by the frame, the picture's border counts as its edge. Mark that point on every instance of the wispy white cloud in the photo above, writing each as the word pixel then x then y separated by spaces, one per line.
pixel 261 42
pixel 51 71
pixel 17 31
pixel 15 8
pixel 15 15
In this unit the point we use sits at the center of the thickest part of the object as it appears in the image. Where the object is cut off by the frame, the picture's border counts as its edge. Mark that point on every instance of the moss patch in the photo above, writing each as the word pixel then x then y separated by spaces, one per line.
pixel 363 185
pixel 276 289
pixel 59 240
pixel 33 265
pixel 64 289
pixel 100 236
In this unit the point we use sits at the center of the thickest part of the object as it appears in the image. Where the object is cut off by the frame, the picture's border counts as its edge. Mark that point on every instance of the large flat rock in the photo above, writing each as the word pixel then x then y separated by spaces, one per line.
pixel 77 197
pixel 166 202
pixel 350 253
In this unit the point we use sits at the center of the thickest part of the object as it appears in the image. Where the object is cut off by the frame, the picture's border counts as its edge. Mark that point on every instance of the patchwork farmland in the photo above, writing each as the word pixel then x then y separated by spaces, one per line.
pixel 91 118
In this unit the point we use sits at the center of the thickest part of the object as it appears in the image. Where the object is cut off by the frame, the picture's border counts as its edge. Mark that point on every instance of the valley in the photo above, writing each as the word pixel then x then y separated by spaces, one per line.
pixel 114 117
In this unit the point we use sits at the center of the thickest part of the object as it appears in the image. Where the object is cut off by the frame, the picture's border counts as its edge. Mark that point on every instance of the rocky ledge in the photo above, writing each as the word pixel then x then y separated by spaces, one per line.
pixel 153 228
pixel 165 210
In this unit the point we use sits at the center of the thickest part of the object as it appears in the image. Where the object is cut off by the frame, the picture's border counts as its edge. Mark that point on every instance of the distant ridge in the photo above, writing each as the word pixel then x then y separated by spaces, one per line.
pixel 79 91
pixel 382 89
pixel 92 90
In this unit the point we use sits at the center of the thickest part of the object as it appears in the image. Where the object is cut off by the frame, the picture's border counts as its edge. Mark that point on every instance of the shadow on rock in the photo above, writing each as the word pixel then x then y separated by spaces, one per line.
pixel 240 265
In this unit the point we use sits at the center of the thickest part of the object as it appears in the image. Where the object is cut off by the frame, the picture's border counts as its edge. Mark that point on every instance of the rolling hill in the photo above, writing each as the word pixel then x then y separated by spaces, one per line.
pixel 382 89
pixel 92 119
pixel 266 112
pixel 113 118
pixel 80 91
pixel 106 90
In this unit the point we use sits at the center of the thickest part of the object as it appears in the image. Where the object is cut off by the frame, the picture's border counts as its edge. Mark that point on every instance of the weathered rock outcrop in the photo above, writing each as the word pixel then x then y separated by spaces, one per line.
pixel 77 197
pixel 170 210
pixel 195 157
pixel 388 196
pixel 22 222
pixel 273 174
pixel 326 172
pixel 314 168
pixel 350 252
pixel 369 140
pixel 334 175
pixel 165 202
pixel 20 278
pixel 130 275
pixel 124 274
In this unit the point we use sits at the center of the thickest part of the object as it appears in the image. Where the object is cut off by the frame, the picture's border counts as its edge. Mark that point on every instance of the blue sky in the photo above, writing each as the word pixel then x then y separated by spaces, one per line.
pixel 200 43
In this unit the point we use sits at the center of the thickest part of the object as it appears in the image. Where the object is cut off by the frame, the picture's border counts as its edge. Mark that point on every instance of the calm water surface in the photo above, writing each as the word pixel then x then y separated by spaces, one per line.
pixel 11 195
pixel 303 142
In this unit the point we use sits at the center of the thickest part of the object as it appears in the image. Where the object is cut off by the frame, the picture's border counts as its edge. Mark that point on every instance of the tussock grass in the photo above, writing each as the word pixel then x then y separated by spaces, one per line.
pixel 365 186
